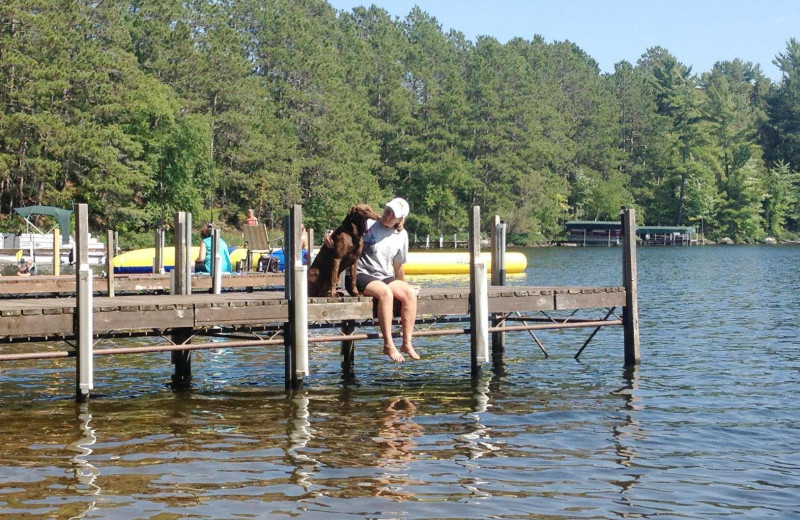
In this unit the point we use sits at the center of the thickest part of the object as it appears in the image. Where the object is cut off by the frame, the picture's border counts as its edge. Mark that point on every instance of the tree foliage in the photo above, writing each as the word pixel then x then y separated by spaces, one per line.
pixel 144 108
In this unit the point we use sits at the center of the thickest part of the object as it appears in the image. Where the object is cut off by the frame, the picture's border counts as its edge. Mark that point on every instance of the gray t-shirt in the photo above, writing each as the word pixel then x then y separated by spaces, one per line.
pixel 383 247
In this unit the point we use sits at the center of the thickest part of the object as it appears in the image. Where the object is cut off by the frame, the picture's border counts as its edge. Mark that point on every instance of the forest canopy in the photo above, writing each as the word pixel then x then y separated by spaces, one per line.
pixel 141 109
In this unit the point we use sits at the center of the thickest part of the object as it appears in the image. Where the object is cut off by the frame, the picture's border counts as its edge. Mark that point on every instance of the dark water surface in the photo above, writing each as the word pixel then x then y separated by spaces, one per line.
pixel 707 427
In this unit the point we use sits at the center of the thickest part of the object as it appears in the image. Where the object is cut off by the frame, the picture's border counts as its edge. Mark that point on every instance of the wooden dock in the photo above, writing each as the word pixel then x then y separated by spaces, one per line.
pixel 122 310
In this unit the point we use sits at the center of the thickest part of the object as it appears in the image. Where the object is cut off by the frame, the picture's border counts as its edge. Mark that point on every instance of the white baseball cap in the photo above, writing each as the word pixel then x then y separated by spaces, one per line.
pixel 399 207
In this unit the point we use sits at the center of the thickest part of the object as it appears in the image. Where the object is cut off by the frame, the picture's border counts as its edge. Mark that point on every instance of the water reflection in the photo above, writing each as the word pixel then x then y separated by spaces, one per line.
pixel 84 472
pixel 299 434
pixel 629 430
pixel 396 448
pixel 474 440
pixel 691 435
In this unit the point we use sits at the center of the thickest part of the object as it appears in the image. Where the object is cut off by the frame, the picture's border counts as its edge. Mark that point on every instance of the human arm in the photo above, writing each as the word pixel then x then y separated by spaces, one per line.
pixel 202 256
pixel 400 259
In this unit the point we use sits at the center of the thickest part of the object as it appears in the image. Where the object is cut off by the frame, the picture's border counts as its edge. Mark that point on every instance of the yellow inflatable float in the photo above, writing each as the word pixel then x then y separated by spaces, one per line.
pixel 419 262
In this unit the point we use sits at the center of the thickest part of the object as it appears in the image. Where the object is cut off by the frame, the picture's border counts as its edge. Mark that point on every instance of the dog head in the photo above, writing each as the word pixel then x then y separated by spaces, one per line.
pixel 358 216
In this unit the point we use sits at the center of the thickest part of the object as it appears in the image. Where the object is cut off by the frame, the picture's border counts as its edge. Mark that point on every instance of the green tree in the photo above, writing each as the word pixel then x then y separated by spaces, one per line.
pixel 68 130
pixel 782 135
pixel 681 164
pixel 732 121
pixel 435 172
pixel 781 201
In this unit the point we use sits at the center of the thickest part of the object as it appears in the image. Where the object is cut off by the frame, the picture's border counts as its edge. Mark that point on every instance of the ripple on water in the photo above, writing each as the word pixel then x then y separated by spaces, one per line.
pixel 706 427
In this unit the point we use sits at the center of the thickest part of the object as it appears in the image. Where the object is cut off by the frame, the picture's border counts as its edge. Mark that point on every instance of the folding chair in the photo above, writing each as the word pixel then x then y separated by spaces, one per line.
pixel 257 242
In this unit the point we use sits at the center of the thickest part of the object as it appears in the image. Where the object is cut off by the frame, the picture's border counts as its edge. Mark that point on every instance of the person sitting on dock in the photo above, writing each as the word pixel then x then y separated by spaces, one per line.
pixel 26 268
pixel 380 274
pixel 203 262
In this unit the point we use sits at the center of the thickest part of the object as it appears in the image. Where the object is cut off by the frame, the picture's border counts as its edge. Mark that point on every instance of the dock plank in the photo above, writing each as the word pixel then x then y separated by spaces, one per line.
pixel 131 283
pixel 32 317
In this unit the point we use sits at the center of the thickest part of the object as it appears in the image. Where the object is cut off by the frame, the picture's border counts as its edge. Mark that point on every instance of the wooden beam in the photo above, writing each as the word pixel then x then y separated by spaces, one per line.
pixel 630 313
pixel 479 317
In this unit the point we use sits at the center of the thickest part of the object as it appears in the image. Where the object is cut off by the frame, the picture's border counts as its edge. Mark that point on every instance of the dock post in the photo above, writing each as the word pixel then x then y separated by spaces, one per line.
pixel 310 235
pixel 348 349
pixel 158 261
pixel 216 263
pixel 181 358
pixel 479 296
pixel 498 243
pixel 288 365
pixel 56 251
pixel 110 246
pixel 84 382
pixel 188 261
pixel 297 298
pixel 630 314
pixel 180 235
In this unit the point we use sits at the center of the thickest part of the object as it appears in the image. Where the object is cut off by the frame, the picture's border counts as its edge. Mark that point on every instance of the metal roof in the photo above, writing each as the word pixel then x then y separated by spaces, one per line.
pixel 594 224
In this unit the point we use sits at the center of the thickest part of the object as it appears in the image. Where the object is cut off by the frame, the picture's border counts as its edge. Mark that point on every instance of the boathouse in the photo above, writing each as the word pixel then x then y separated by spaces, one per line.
pixel 665 235
pixel 594 232
pixel 609 233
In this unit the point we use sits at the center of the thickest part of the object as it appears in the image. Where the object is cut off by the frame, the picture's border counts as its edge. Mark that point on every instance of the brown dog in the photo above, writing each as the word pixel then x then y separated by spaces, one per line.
pixel 323 275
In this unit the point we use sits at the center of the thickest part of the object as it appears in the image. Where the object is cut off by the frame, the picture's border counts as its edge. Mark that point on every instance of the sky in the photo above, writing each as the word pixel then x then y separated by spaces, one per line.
pixel 698 33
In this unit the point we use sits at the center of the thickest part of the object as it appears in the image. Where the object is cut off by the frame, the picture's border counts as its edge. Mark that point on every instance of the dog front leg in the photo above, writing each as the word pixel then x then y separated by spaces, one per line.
pixel 353 287
pixel 335 277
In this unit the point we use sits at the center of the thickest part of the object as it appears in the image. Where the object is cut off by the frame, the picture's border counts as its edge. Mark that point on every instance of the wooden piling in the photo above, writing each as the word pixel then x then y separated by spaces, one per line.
pixel 84 381
pixel 630 314
pixel 348 349
pixel 178 278
pixel 158 260
pixel 182 284
pixel 497 231
pixel 298 299
pixel 479 305
pixel 110 246
pixel 56 251
pixel 288 326
pixel 216 263
pixel 188 261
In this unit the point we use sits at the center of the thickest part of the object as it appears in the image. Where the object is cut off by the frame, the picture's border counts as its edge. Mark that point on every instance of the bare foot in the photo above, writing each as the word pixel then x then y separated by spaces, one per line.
pixel 408 349
pixel 392 352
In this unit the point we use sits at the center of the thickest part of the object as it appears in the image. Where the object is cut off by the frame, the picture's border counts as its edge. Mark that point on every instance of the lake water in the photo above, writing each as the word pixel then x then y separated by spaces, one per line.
pixel 708 426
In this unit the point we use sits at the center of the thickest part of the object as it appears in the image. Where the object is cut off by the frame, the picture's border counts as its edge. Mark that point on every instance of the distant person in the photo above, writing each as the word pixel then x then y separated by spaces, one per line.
pixel 26 268
pixel 251 219
pixel 203 262
pixel 303 238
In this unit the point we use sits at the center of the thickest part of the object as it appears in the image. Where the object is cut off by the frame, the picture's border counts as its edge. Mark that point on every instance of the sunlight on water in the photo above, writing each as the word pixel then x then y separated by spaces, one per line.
pixel 706 427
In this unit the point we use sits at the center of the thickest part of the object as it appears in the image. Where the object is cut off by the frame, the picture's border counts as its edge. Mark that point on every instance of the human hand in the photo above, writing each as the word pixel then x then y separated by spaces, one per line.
pixel 327 239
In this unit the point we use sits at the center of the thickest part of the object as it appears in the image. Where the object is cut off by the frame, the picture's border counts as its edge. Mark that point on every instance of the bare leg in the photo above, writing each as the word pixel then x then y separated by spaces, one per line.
pixel 381 292
pixel 407 296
